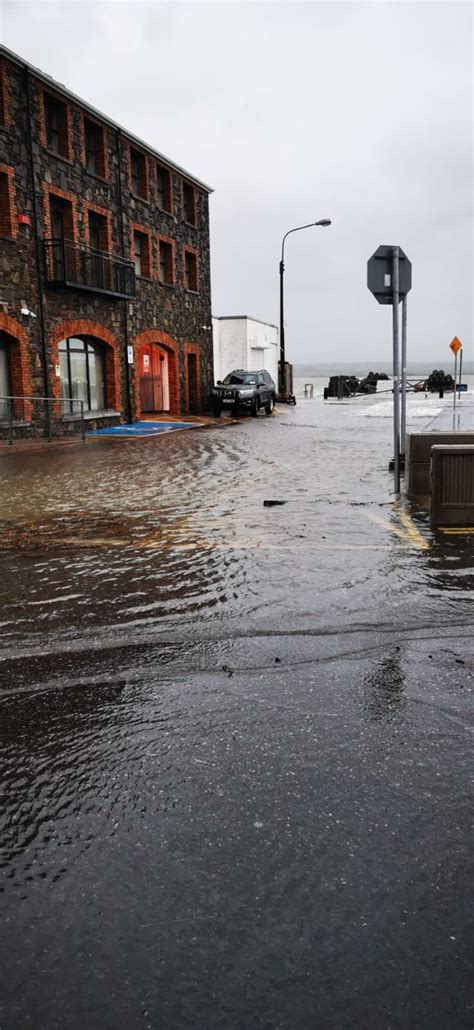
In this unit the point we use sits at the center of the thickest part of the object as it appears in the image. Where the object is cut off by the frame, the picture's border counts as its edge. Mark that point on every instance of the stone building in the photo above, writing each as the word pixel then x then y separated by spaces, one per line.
pixel 104 260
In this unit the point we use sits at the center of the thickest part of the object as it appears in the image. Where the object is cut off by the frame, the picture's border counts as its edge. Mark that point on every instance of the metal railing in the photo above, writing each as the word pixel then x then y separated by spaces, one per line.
pixel 70 264
pixel 36 418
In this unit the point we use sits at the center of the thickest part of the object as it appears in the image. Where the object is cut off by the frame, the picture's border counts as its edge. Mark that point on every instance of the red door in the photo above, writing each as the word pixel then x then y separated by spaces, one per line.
pixel 151 384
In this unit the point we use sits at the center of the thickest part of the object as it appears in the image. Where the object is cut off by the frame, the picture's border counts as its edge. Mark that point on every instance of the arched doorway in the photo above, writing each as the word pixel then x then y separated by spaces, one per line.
pixel 14 369
pixel 153 371
pixel 5 373
pixel 82 365
pixel 86 356
pixel 6 389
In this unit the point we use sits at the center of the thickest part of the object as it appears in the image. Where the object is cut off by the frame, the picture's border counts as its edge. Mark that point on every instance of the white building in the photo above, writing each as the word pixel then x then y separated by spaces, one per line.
pixel 243 342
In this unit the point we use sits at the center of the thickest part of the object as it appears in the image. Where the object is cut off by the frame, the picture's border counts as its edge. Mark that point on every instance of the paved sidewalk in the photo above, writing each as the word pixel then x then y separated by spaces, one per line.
pixel 460 418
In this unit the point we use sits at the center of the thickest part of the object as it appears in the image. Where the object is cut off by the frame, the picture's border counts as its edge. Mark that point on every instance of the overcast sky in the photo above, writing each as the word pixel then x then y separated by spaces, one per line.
pixel 360 112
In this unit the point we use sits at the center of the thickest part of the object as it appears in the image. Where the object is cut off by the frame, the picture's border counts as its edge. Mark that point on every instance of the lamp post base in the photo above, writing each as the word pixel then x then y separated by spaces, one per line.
pixel 286 398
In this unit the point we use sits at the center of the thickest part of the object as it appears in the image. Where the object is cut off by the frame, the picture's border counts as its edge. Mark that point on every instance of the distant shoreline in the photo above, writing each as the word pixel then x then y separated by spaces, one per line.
pixel 360 368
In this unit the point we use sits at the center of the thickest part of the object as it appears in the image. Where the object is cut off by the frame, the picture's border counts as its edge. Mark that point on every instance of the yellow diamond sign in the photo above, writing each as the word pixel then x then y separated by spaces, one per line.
pixel 455 345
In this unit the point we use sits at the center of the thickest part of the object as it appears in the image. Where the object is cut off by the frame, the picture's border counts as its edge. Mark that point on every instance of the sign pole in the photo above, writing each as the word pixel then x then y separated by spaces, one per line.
pixel 404 375
pixel 396 369
pixel 281 366
pixel 389 280
pixel 460 375
pixel 455 381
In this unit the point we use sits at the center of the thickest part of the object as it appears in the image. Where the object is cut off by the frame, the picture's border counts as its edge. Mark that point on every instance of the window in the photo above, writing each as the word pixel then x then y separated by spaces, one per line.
pixel 100 269
pixel 98 238
pixel 81 364
pixel 240 379
pixel 138 174
pixel 166 269
pixel 190 270
pixel 56 125
pixel 94 147
pixel 8 225
pixel 163 181
pixel 5 381
pixel 62 233
pixel 189 203
pixel 141 254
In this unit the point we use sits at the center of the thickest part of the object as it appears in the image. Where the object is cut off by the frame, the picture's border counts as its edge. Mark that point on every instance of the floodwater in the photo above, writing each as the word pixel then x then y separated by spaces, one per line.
pixel 235 750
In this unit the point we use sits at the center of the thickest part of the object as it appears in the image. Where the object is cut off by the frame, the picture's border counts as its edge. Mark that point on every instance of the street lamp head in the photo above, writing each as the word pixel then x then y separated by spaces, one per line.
pixel 324 221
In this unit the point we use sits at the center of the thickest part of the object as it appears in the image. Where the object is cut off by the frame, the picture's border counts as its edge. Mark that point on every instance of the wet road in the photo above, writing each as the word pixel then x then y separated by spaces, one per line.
pixel 235 738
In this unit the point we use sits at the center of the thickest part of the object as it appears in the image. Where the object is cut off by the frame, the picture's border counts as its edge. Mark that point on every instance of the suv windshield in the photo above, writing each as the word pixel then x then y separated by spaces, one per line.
pixel 239 378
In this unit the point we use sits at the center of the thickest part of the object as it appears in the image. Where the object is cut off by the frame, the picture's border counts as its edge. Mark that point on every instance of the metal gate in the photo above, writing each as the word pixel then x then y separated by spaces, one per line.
pixel 151 393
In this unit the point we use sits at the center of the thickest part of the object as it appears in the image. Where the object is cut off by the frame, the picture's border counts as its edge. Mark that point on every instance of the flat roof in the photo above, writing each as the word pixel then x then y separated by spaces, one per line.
pixel 250 318
pixel 59 88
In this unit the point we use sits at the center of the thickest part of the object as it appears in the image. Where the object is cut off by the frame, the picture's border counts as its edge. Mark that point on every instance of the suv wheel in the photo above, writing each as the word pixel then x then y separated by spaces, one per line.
pixel 270 406
pixel 254 407
pixel 216 410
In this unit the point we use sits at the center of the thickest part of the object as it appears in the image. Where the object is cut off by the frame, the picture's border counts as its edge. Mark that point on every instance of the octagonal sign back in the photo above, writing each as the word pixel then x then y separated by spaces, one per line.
pixel 380 274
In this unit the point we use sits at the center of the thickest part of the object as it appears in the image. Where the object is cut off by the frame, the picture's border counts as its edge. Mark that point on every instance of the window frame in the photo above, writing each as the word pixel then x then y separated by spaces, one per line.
pixel 89 346
pixel 135 153
pixel 50 104
pixel 100 156
pixel 104 227
pixel 62 203
pixel 7 174
pixel 166 241
pixel 190 252
pixel 162 170
pixel 189 190
pixel 145 235
pixel 5 346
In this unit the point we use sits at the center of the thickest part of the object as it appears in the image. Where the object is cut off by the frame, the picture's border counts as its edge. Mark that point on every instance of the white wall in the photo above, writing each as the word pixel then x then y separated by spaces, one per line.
pixel 230 345
pixel 244 343
pixel 263 337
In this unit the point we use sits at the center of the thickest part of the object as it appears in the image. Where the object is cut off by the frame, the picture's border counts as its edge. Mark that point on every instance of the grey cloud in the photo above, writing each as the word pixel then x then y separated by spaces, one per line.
pixel 357 111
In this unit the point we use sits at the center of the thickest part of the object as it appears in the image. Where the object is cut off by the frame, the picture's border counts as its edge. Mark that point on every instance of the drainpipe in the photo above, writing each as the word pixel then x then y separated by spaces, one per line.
pixel 118 137
pixel 39 271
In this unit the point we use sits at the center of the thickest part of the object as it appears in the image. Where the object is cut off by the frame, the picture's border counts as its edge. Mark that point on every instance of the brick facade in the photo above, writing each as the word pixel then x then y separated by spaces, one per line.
pixel 19 355
pixel 4 96
pixel 8 212
pixel 167 314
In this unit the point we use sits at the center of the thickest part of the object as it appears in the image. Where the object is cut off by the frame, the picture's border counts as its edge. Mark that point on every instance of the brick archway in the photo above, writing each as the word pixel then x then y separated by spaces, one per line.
pixel 19 356
pixel 84 327
pixel 151 336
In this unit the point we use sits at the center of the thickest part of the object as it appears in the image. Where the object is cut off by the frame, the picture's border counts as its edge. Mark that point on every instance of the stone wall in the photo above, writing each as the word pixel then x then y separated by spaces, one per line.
pixel 169 311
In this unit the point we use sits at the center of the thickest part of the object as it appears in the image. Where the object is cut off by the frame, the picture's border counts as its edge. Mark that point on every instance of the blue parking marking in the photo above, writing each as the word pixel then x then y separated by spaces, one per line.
pixel 144 429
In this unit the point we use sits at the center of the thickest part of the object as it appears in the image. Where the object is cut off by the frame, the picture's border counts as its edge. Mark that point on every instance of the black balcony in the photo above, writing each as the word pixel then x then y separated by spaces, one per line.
pixel 82 268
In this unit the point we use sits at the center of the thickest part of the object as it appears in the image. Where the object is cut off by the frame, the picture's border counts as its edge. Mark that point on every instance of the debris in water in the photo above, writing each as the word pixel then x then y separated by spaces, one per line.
pixel 271 504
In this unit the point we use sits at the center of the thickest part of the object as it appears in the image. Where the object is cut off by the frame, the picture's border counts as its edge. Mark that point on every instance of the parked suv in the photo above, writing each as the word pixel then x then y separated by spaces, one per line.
pixel 244 390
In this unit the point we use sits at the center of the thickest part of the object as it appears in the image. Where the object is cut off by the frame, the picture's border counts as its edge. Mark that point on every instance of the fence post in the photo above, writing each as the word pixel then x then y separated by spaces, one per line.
pixel 47 420
pixel 83 427
pixel 10 420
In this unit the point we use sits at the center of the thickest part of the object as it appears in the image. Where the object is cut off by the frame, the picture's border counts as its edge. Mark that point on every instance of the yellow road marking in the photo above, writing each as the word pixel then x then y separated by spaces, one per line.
pixel 411 528
pixel 456 530
pixel 410 534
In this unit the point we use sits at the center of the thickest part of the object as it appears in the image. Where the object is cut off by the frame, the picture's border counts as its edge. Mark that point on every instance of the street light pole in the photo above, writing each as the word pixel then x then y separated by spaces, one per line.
pixel 281 367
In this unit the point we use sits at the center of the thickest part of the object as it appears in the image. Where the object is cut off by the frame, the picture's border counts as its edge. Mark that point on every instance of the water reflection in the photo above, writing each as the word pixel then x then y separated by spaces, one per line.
pixel 59 751
pixel 188 785
pixel 128 535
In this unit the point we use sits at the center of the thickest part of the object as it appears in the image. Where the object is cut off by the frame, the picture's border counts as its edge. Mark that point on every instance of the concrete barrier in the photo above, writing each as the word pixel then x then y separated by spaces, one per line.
pixel 452 485
pixel 418 458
